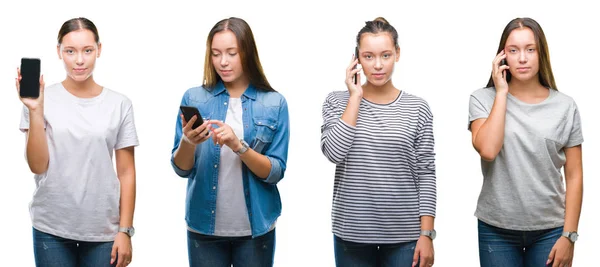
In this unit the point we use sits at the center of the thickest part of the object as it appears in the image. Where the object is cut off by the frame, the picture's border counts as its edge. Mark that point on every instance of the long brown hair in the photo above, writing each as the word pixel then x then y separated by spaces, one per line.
pixel 545 72
pixel 247 51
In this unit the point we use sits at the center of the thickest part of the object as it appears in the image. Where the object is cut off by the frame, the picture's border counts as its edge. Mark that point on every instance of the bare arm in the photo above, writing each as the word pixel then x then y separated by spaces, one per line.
pixel 126 174
pixel 574 182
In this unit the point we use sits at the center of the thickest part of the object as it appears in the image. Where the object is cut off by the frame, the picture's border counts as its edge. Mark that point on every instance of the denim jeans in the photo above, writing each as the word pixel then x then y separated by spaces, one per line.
pixel 53 251
pixel 217 251
pixel 502 247
pixel 351 254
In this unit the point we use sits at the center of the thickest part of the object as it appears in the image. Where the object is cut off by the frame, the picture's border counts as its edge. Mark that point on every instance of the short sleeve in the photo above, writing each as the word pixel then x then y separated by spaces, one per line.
pixel 127 135
pixel 575 136
pixel 476 110
pixel 24 124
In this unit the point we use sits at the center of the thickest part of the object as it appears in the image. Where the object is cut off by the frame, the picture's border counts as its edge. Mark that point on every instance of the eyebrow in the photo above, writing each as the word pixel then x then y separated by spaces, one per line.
pixel 386 51
pixel 518 46
pixel 88 46
pixel 230 48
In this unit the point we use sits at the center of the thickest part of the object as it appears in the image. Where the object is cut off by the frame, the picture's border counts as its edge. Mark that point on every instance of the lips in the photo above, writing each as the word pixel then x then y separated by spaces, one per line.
pixel 79 70
pixel 523 69
pixel 226 72
pixel 378 75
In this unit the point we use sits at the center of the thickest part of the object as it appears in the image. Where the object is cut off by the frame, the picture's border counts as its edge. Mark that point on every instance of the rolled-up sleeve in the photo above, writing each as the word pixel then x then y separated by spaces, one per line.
pixel 178 135
pixel 278 150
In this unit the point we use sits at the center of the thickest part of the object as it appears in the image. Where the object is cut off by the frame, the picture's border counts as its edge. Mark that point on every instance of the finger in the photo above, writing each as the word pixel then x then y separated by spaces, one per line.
pixel 188 125
pixel 42 84
pixel 113 254
pixel 350 67
pixel 217 122
pixel 201 128
pixel 551 256
pixel 120 259
pixel 415 257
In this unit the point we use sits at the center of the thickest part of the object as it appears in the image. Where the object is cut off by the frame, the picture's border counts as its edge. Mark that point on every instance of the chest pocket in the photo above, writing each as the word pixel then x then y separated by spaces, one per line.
pixel 265 131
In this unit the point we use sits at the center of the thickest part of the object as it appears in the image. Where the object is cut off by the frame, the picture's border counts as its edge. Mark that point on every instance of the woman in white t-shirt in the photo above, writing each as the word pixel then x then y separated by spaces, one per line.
pixel 82 210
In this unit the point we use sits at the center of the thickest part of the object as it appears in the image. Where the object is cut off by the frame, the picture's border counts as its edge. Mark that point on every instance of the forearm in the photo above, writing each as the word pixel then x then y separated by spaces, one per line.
pixel 350 115
pixel 37 143
pixel 490 136
pixel 258 163
pixel 184 155
pixel 427 222
pixel 574 196
pixel 127 202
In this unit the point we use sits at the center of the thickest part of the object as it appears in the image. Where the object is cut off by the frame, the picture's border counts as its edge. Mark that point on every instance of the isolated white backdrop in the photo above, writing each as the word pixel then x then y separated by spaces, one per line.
pixel 153 52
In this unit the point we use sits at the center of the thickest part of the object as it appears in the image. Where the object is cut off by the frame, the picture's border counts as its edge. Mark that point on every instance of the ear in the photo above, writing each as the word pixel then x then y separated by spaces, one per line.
pixel 99 50
pixel 58 51
pixel 397 54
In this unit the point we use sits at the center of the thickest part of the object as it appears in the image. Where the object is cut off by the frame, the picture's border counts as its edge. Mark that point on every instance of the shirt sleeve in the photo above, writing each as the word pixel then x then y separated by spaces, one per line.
pixel 575 136
pixel 336 135
pixel 476 110
pixel 425 167
pixel 127 135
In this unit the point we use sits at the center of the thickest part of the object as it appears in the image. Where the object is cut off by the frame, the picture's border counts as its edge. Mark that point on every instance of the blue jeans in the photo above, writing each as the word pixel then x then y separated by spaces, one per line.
pixel 53 251
pixel 502 247
pixel 351 254
pixel 217 251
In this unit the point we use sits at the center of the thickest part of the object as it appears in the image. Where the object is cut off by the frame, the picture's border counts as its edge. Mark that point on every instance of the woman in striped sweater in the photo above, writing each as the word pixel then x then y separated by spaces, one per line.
pixel 381 140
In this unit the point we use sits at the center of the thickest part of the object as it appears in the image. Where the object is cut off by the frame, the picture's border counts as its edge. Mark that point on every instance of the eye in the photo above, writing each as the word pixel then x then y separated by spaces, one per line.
pixel 69 51
pixel 530 49
pixel 233 54
pixel 368 56
pixel 512 50
pixel 87 51
pixel 215 54
pixel 386 55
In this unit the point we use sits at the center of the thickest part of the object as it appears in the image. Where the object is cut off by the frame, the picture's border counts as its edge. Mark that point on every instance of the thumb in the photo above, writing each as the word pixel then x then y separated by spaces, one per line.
pixel 551 256
pixel 113 254
pixel 42 84
pixel 415 258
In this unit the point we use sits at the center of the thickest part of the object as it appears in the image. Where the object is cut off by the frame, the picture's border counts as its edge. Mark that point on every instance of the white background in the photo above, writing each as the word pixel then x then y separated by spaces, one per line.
pixel 153 52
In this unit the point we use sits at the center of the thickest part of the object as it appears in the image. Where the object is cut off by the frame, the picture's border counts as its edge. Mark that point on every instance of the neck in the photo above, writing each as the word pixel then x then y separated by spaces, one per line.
pixel 237 87
pixel 87 88
pixel 380 94
pixel 528 87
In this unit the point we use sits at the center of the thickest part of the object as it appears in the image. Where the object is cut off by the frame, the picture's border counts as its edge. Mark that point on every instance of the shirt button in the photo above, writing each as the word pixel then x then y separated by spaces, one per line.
pixel 213 211
pixel 225 103
pixel 214 187
pixel 215 165
pixel 259 122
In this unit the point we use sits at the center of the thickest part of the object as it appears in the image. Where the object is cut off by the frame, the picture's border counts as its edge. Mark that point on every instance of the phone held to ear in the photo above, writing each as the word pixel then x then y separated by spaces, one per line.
pixel 503 62
pixel 29 86
pixel 355 66
pixel 189 112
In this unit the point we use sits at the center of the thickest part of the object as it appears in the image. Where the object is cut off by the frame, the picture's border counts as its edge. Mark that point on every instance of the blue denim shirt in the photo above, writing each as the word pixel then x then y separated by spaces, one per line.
pixel 266 130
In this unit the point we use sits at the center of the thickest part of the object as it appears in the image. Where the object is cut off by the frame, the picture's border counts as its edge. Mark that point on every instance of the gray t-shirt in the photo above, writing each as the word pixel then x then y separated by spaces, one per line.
pixel 523 188
pixel 78 196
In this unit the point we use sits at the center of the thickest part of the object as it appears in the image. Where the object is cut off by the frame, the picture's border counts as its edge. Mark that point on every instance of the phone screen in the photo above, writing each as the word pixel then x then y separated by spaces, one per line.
pixel 29 86
pixel 189 112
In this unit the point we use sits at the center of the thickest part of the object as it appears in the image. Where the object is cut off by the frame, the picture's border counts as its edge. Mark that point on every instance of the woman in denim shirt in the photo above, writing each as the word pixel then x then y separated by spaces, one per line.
pixel 231 208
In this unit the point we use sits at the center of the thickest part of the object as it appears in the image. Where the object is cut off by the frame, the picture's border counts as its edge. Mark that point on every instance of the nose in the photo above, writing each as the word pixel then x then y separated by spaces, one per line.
pixel 224 61
pixel 523 57
pixel 79 60
pixel 378 63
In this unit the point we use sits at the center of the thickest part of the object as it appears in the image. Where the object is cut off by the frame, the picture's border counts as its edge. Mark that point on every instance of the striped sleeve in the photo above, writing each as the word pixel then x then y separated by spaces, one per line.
pixel 425 165
pixel 336 135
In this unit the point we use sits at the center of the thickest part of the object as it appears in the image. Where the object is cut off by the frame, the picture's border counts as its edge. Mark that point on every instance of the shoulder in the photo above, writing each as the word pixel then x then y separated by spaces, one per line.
pixel 485 92
pixel 337 97
pixel 197 93
pixel 117 97
pixel 416 101
pixel 271 98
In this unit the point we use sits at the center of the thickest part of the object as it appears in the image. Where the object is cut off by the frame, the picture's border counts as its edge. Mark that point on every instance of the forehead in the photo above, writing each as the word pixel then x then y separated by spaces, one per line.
pixel 224 39
pixel 81 37
pixel 521 36
pixel 376 41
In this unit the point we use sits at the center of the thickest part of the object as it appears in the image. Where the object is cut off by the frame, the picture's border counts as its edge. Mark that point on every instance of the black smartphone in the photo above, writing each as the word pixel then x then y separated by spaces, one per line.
pixel 356 55
pixel 503 62
pixel 189 112
pixel 29 86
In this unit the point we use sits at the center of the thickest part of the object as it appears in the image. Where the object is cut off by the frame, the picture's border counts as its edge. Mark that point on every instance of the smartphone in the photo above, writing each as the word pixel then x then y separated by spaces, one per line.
pixel 189 112
pixel 355 74
pixel 503 62
pixel 29 86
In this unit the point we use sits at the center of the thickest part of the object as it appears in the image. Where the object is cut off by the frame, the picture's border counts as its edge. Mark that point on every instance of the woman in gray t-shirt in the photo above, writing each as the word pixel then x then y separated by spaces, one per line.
pixel 526 131
pixel 82 209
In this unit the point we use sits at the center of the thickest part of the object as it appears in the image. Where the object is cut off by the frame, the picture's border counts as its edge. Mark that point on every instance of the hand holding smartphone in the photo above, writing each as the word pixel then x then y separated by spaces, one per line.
pixel 29 85
pixel 355 66
pixel 189 112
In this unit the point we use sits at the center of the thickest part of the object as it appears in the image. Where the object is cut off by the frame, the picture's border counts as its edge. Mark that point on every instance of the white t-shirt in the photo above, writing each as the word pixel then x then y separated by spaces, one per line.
pixel 78 196
pixel 232 214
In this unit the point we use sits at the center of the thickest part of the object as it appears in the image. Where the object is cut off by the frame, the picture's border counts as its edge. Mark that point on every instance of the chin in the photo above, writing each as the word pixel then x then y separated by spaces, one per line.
pixel 80 78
